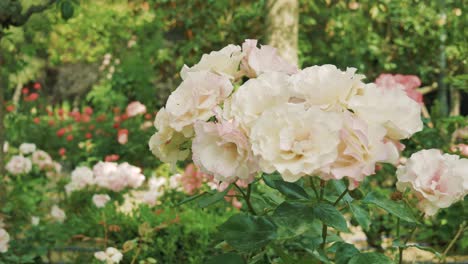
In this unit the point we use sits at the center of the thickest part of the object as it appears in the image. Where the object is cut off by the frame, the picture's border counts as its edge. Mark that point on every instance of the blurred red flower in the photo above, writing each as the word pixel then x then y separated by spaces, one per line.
pixel 62 151
pixel 61 132
pixel 112 157
pixel 37 86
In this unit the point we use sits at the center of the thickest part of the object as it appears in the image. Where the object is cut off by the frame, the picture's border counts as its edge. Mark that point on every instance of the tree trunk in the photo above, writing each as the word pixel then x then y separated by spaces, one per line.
pixel 283 26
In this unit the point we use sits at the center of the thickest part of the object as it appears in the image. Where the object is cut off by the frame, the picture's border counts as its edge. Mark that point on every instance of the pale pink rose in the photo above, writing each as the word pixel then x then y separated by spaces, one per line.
pixel 122 136
pixel 264 59
pixel 132 174
pixel 256 96
pixel 4 240
pixel 295 140
pixel 391 108
pixel 110 256
pixel 326 86
pixel 100 200
pixel 438 180
pixel 27 148
pixel 222 150
pixel 223 62
pixel 166 144
pixel 103 172
pixel 135 108
pixel 408 83
pixel 19 165
pixel 82 177
pixel 192 179
pixel 195 98
pixel 360 148
pixel 57 214
pixel 41 159
pixel 462 148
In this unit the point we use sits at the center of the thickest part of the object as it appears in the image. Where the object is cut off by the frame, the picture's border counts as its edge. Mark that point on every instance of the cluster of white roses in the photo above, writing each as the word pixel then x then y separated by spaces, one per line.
pixel 316 121
pixel 110 256
pixel 438 180
pixel 155 189
pixel 107 175
pixel 29 156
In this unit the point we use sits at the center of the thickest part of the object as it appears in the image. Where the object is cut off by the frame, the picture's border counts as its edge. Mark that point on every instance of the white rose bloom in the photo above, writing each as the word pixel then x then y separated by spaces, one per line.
pixel 18 165
pixel 6 146
pixel 27 148
pixel 4 239
pixel 132 174
pixel 35 220
pixel 156 183
pixel 222 150
pixel 361 147
pixel 225 62
pixel 42 159
pixel 437 180
pixel 196 97
pixel 58 214
pixel 392 108
pixel 255 96
pixel 175 182
pixel 326 86
pixel 166 144
pixel 100 200
pixel 82 177
pixel 110 256
pixel 296 141
pixel 257 61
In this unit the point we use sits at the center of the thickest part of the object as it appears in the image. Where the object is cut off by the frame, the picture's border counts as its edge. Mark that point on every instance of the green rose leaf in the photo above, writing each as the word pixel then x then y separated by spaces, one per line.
pixel 270 179
pixel 293 219
pixel 208 200
pixel 344 252
pixel 399 209
pixel 228 258
pixel 361 215
pixel 330 216
pixel 247 233
pixel 374 258
pixel 291 190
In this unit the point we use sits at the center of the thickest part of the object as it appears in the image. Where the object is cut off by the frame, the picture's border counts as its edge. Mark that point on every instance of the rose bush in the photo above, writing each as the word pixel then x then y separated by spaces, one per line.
pixel 289 129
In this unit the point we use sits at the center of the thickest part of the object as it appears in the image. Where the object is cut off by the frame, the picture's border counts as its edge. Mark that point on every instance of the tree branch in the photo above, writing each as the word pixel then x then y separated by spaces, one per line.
pixel 22 19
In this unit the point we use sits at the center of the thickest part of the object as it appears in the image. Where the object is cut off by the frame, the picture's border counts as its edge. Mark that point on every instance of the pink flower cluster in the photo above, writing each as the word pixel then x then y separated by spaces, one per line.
pixel 107 175
pixel 408 83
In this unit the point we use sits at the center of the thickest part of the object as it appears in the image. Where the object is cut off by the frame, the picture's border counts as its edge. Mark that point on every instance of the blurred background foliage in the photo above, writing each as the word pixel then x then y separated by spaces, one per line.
pixel 112 52
pixel 150 40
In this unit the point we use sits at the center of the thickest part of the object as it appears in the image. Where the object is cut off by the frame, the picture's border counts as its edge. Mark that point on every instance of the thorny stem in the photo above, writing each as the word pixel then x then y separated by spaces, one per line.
pixel 400 248
pixel 460 231
pixel 324 226
pixel 312 184
pixel 322 189
pixel 246 197
pixel 340 197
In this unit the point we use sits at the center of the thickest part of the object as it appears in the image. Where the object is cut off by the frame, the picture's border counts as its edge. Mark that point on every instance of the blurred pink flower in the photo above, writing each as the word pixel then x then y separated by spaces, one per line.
pixel 192 179
pixel 408 83
pixel 462 148
pixel 122 136
pixel 135 108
